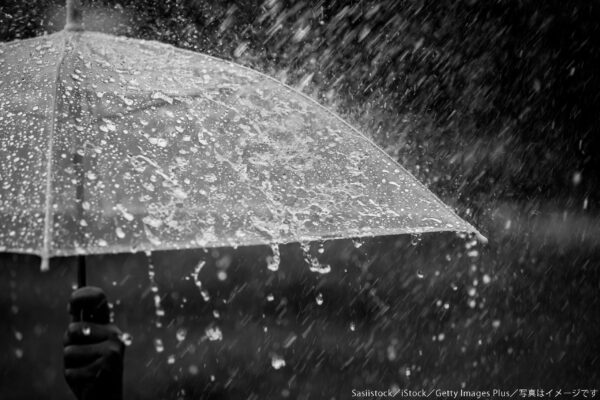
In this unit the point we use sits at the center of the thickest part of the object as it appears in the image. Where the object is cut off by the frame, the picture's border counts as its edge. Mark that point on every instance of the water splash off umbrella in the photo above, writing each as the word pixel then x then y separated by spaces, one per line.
pixel 110 144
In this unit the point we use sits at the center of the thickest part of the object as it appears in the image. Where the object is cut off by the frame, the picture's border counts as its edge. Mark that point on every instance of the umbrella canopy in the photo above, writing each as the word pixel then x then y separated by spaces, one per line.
pixel 109 144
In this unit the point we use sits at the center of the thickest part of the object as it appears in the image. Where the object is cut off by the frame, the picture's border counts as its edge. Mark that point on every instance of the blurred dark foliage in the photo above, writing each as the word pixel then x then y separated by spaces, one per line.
pixel 493 104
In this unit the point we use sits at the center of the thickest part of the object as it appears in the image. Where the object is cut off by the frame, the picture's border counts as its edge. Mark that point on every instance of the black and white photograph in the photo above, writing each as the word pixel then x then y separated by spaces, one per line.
pixel 308 199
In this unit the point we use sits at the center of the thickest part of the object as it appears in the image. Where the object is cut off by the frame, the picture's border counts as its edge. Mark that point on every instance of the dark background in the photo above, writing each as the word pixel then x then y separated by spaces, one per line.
pixel 493 104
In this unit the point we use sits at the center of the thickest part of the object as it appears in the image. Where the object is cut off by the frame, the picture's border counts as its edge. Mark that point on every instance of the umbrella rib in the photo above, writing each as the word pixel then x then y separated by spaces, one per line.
pixel 49 160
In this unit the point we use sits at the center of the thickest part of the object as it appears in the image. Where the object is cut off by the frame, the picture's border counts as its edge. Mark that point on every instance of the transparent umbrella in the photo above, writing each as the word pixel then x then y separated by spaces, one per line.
pixel 109 144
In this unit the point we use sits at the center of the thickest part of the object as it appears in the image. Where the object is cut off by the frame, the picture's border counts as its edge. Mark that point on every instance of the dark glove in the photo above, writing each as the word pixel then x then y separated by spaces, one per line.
pixel 93 350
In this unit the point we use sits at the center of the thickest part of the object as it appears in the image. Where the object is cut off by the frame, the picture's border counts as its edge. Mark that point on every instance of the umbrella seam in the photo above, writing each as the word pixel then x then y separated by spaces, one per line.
pixel 49 159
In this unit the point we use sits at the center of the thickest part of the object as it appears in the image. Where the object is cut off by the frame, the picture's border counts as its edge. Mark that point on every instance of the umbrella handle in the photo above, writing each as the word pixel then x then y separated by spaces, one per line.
pixel 81 272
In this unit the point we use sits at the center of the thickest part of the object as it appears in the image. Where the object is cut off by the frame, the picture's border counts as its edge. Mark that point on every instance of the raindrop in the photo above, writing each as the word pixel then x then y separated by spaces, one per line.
pixel 420 274
pixel 214 334
pixel 357 243
pixel 289 341
pixel 171 359
pixel 270 297
pixel 277 362
pixel 196 274
pixel 13 290
pixel 319 299
pixel 577 178
pixel 320 268
pixel 473 253
pixel 486 279
pixel 126 338
pixel 158 310
pixel 415 239
pixel 181 334
pixel 313 262
pixel 159 346
pixel 86 330
pixel 352 326
pixel 205 295
pixel 19 353
pixel 274 260
pixel 321 249
pixel 120 233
